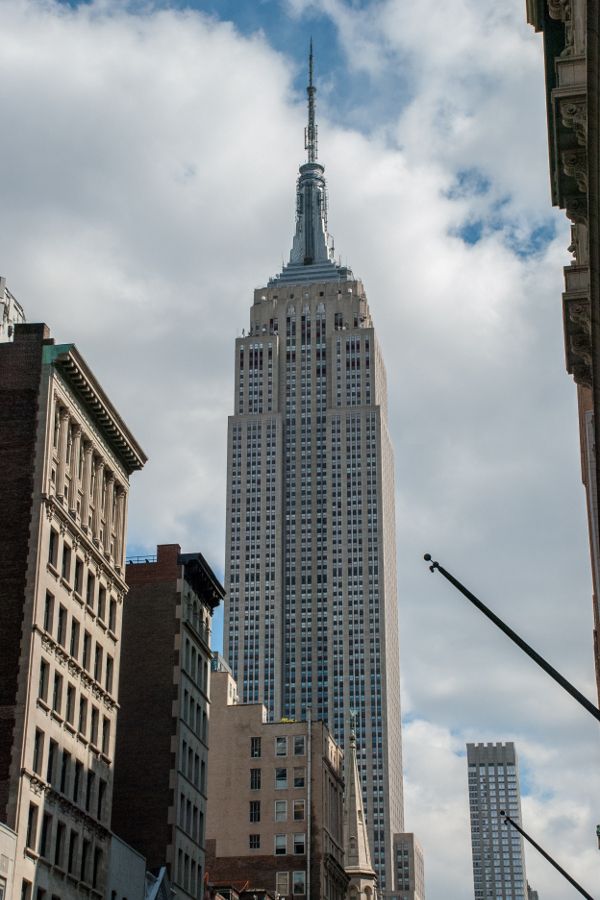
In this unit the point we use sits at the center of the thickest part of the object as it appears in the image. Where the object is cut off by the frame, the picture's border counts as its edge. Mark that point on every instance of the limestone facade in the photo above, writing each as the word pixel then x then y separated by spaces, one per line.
pixel 275 801
pixel 67 457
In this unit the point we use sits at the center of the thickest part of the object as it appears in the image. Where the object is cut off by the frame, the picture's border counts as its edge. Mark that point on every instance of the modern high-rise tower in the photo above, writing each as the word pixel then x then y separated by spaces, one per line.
pixel 498 853
pixel 311 613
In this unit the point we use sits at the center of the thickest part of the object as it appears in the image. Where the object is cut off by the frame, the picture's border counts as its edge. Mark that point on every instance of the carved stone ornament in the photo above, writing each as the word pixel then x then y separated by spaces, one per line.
pixel 579 314
pixel 49 510
pixel 573 114
pixel 575 166
pixel 561 11
pixel 576 209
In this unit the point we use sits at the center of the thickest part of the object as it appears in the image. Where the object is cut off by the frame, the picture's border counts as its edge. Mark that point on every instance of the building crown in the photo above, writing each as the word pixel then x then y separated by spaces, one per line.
pixel 312 257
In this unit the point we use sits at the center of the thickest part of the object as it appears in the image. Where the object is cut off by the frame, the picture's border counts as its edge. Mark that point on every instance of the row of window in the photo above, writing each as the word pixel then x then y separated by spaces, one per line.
pixel 85 718
pixel 281 746
pixel 191 819
pixel 68 776
pixel 83 862
pixel 280 811
pixel 282 781
pixel 83 581
pixel 280 846
pixel 80 650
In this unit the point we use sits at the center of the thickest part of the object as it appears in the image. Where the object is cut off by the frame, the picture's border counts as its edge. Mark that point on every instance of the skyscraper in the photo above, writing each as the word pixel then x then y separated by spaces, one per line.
pixel 311 616
pixel 498 854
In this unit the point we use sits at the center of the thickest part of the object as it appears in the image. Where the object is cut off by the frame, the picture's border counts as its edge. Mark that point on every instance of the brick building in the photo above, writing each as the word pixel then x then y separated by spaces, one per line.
pixel 275 811
pixel 65 461
pixel 162 741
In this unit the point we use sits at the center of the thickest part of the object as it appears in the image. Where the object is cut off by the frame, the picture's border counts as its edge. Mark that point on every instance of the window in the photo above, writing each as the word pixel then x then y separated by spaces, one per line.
pixel 94 725
pixel 49 612
pixel 77 780
pixel 74 645
pixel 53 547
pixel 280 844
pixel 98 654
pixel 280 810
pixel 255 747
pixel 52 754
pixel 78 582
pixel 281 746
pixel 90 594
pixel 282 883
pixel 112 614
pixel 281 778
pixel 299 745
pixel 299 882
pixel 59 846
pixel 66 563
pixel 57 693
pixel 299 777
pixel 38 751
pixel 298 810
pixel 45 834
pixel 32 825
pixel 85 858
pixel 105 735
pixel 96 866
pixel 44 677
pixel 108 682
pixel 255 810
pixel 299 843
pixel 83 708
pixel 65 767
pixel 25 890
pixel 101 797
pixel 254 841
pixel 89 789
pixel 101 602
pixel 70 711
pixel 87 650
pixel 255 779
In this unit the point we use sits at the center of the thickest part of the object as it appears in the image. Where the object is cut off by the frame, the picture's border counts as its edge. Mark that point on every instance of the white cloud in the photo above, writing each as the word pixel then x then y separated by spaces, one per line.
pixel 147 187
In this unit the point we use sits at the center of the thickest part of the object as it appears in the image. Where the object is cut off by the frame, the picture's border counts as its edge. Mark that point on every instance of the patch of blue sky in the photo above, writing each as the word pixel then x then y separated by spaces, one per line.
pixel 531 243
pixel 350 95
pixel 470 182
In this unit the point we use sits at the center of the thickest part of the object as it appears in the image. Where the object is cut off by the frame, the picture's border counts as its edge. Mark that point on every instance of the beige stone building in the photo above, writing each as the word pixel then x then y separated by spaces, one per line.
pixel 275 801
pixel 66 457
pixel 572 73
pixel 409 868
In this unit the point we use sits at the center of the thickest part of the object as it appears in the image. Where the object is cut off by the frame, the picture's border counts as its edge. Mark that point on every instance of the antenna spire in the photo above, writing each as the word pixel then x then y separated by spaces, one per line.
pixel 310 132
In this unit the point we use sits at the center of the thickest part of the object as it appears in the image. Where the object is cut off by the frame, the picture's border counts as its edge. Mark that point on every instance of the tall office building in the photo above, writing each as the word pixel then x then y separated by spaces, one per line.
pixel 311 616
pixel 66 457
pixel 498 853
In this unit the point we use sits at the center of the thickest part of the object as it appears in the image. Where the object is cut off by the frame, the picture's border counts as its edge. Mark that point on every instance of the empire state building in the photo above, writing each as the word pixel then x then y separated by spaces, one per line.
pixel 311 625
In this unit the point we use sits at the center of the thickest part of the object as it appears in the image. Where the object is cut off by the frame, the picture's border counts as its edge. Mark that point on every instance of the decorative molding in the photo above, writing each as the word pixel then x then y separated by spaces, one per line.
pixel 575 166
pixel 573 114
pixel 576 209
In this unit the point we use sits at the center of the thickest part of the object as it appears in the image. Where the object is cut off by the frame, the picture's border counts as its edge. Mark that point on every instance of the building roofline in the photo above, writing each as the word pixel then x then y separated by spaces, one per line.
pixel 67 359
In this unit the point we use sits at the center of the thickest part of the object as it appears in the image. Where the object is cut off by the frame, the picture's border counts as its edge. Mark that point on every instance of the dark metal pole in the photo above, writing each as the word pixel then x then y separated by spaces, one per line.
pixel 577 695
pixel 547 856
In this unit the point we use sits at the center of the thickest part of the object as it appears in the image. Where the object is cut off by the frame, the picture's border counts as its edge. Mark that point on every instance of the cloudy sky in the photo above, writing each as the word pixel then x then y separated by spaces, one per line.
pixel 147 179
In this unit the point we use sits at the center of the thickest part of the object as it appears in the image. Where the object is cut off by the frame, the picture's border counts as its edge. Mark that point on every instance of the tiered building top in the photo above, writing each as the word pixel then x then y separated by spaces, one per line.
pixel 312 257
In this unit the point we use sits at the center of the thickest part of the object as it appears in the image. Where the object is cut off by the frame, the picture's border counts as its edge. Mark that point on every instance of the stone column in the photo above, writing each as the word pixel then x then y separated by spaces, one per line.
pixel 73 487
pixel 97 514
pixel 62 452
pixel 119 524
pixel 87 484
pixel 108 510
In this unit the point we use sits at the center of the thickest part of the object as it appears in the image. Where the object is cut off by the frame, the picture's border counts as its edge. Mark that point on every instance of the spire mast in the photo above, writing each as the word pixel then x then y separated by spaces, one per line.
pixel 310 132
